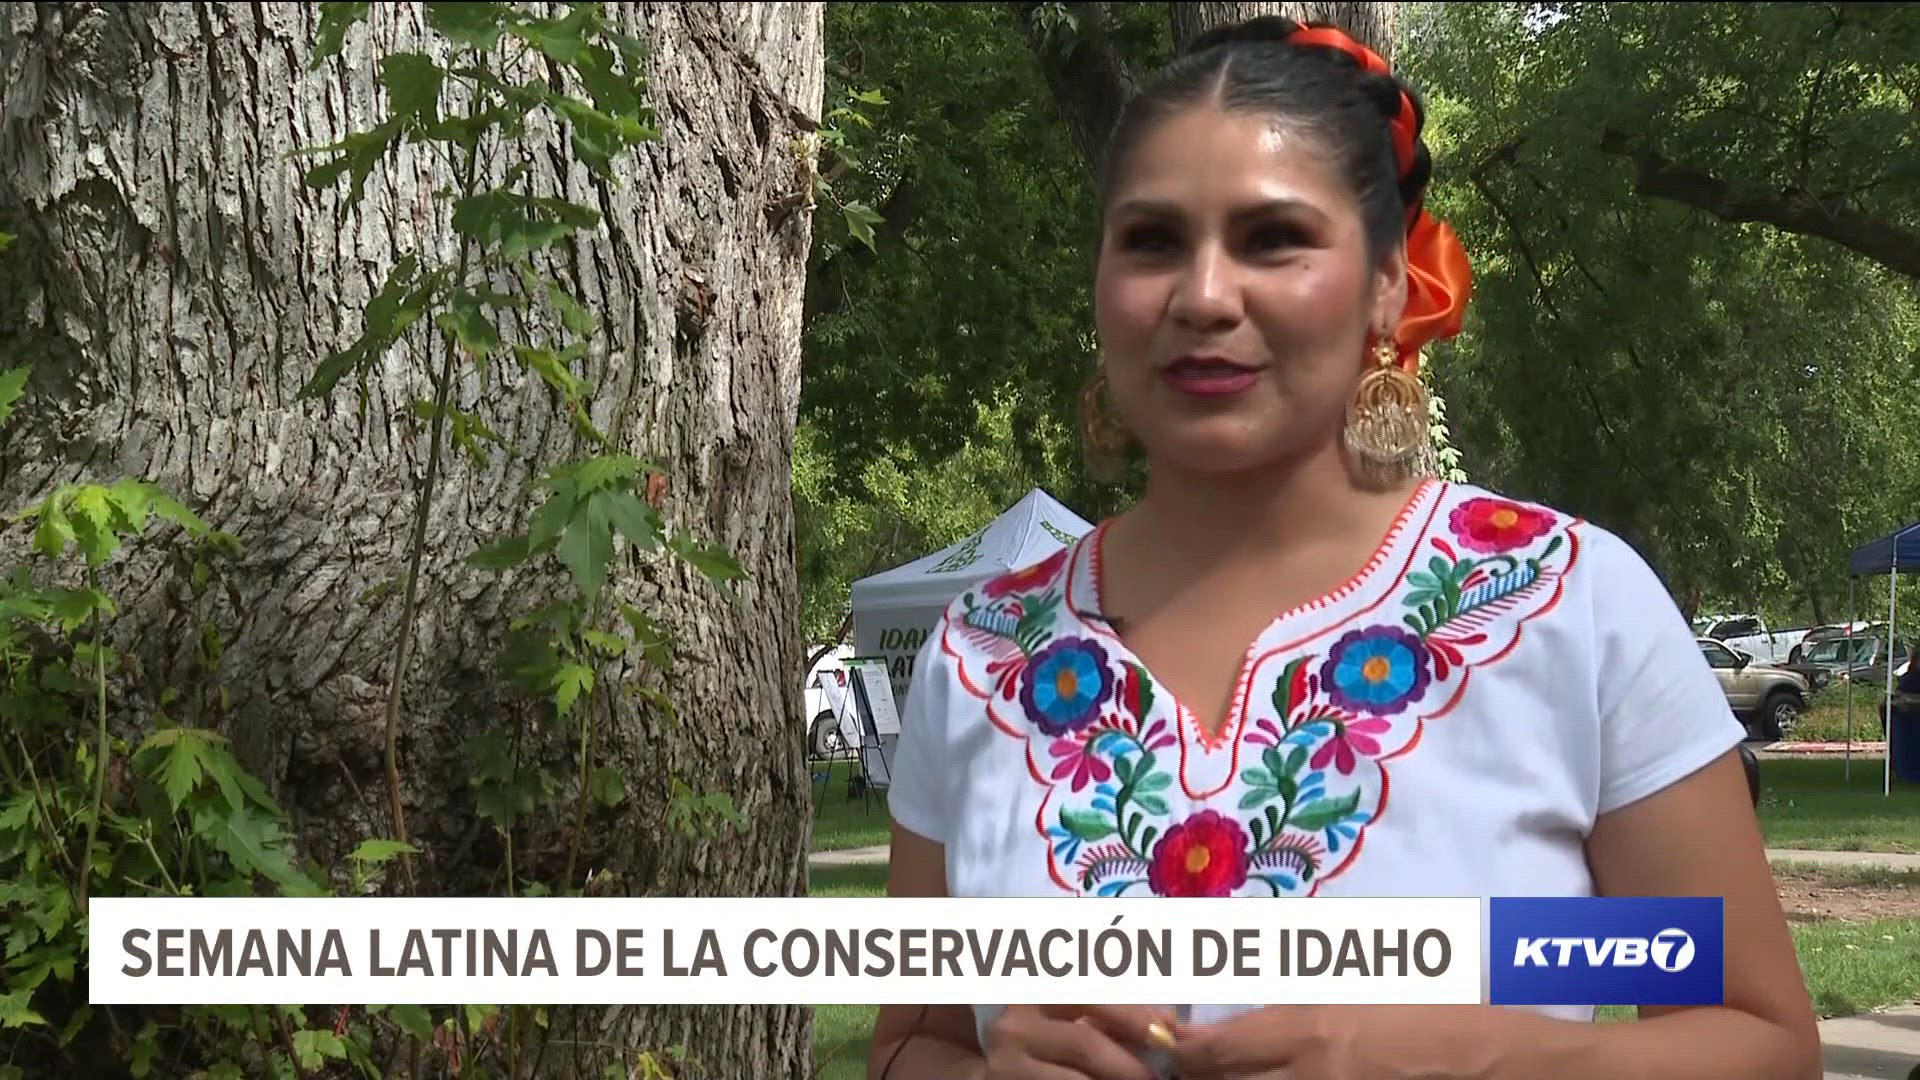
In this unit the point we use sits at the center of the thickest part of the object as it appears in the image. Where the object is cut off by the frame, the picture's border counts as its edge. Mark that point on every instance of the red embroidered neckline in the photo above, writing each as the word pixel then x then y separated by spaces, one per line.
pixel 1187 722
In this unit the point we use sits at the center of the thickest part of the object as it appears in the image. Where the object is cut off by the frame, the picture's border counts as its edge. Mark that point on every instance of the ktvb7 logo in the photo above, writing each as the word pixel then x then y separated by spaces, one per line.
pixel 1669 950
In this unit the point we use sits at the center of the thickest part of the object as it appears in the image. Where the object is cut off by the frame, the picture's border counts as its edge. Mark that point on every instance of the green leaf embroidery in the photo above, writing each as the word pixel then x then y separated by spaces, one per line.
pixel 1088 825
pixel 1318 815
pixel 1157 781
pixel 1152 804
pixel 1255 776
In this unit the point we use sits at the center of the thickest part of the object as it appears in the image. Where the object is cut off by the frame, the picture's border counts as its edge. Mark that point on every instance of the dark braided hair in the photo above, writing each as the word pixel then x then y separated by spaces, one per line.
pixel 1317 90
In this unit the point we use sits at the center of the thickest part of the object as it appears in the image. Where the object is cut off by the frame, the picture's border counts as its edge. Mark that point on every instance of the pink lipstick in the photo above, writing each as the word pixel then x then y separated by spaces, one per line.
pixel 1209 376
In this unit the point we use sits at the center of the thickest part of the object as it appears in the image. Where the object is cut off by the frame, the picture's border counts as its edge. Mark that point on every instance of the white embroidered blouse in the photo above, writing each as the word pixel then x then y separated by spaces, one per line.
pixel 1450 722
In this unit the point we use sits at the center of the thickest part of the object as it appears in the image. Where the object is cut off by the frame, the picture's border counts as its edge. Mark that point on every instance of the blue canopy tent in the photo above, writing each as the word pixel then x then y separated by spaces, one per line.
pixel 1894 554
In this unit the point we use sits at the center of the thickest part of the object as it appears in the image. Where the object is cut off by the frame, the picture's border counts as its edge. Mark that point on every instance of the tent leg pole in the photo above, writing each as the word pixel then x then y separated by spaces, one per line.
pixel 1893 580
pixel 1852 612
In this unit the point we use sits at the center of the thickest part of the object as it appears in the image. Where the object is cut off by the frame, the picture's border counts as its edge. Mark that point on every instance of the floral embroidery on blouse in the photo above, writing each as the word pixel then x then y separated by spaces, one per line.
pixel 1311 737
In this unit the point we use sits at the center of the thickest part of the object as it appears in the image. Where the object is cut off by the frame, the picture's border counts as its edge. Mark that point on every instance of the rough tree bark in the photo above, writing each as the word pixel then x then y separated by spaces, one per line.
pixel 175 284
pixel 1089 77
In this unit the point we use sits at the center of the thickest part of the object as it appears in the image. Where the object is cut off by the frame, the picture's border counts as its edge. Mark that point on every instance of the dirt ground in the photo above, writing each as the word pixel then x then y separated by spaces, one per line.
pixel 1810 896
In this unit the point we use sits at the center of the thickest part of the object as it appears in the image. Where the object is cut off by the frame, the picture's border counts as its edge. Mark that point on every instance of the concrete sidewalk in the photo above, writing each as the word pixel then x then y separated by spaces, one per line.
pixel 1882 1045
pixel 1867 860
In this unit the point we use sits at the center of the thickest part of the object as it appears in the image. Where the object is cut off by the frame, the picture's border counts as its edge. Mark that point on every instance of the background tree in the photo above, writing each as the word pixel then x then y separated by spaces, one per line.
pixel 1719 378
pixel 176 284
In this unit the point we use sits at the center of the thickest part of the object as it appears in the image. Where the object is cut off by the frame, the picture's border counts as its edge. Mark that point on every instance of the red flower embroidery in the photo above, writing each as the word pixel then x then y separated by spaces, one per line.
pixel 1028 580
pixel 1205 855
pixel 1078 763
pixel 1491 526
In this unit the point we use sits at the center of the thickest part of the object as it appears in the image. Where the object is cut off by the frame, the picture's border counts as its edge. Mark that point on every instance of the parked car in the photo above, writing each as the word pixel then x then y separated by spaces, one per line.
pixel 1766 698
pixel 823 727
pixel 1751 635
pixel 1824 633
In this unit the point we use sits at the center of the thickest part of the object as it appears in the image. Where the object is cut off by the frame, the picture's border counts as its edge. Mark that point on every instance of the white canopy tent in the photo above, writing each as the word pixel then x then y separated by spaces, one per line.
pixel 895 610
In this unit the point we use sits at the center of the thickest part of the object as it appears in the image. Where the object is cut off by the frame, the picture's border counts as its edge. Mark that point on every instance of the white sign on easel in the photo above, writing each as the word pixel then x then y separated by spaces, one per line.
pixel 873 693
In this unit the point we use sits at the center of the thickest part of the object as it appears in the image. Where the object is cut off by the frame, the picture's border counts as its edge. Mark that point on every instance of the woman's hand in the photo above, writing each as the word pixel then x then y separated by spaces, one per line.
pixel 1072 1042
pixel 1342 1042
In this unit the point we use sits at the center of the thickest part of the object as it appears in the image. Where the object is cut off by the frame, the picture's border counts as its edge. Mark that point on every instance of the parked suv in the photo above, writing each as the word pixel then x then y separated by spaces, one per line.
pixel 1768 699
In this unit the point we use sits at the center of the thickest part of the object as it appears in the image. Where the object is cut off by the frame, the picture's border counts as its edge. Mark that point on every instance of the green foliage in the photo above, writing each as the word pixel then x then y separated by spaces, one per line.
pixel 973 280
pixel 1731 397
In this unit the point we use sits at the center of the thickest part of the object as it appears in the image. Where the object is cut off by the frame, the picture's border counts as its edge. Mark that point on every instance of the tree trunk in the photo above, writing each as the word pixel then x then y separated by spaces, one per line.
pixel 1090 78
pixel 175 284
pixel 1370 23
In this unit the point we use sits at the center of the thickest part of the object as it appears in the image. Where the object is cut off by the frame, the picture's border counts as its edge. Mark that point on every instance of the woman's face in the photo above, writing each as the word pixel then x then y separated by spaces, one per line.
pixel 1235 294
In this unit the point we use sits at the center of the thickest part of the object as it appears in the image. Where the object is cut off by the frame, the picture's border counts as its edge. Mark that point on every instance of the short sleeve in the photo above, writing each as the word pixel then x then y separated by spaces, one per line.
pixel 1663 714
pixel 924 780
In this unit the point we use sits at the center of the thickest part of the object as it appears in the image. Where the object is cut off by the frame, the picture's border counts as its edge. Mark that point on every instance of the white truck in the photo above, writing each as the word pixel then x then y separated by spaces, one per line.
pixel 1751 635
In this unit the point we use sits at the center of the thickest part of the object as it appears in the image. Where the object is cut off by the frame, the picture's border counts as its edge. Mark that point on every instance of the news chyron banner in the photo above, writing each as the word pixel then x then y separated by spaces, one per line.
pixel 821 950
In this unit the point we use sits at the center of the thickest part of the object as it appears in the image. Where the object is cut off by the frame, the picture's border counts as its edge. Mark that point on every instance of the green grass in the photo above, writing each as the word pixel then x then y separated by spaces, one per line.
pixel 839 822
pixel 1810 803
pixel 1851 967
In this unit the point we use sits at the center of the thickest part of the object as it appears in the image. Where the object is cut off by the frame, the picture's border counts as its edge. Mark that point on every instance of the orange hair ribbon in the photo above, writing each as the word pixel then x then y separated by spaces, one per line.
pixel 1439 277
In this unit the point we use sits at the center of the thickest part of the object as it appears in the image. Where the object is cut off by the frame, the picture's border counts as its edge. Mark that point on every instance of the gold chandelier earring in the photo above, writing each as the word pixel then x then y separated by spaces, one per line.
pixel 1103 438
pixel 1387 422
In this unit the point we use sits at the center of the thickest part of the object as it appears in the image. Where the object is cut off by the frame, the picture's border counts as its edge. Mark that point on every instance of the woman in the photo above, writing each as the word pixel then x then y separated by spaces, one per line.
pixel 1132 717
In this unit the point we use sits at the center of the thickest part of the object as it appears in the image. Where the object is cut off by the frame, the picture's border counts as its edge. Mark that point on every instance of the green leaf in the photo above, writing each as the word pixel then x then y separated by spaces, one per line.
pixel 1255 776
pixel 335 20
pixel 636 520
pixel 467 323
pixel 1152 804
pixel 1123 769
pixel 358 153
pixel 74 1023
pixel 715 562
pixel 561 39
pixel 607 644
pixel 182 766
pixel 474 25
pixel 519 223
pixel 608 787
pixel 413 85
pixel 1088 825
pixel 314 1045
pixel 569 683
pixel 861 219
pixel 14 1011
pixel 55 532
pixel 154 499
pixel 413 1019
pixel 573 315
pixel 1255 796
pixel 587 546
pixel 376 850
pixel 13 385
pixel 599 137
pixel 503 554
pixel 548 366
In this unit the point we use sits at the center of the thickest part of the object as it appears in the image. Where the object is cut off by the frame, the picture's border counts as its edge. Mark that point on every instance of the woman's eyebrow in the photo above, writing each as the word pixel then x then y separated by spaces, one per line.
pixel 1160 208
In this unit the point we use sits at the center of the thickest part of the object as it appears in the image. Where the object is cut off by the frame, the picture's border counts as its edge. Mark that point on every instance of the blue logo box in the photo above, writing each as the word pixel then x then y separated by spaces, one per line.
pixel 1606 950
